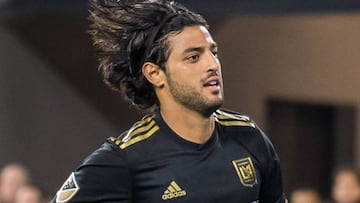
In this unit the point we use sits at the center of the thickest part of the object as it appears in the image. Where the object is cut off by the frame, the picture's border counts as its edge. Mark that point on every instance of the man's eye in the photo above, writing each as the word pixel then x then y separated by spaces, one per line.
pixel 193 58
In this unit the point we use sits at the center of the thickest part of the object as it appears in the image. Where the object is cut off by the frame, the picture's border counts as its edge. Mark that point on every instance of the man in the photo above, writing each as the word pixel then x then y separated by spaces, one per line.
pixel 162 57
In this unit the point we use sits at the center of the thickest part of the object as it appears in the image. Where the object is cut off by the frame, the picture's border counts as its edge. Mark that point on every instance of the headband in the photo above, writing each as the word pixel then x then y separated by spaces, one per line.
pixel 149 43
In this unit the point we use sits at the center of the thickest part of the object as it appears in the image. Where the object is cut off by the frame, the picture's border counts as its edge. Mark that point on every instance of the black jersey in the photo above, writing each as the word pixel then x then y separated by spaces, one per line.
pixel 149 163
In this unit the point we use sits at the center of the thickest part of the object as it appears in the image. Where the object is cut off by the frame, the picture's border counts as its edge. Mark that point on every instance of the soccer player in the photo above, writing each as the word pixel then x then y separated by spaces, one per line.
pixel 162 57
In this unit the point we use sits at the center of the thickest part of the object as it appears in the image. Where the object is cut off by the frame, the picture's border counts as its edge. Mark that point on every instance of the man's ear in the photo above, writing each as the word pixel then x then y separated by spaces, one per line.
pixel 153 74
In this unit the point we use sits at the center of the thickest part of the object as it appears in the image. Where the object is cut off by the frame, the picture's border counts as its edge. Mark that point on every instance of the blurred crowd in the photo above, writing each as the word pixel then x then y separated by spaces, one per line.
pixel 16 186
pixel 345 188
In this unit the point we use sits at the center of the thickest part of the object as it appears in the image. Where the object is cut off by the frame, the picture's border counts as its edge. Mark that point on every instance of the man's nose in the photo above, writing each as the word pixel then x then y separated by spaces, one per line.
pixel 213 63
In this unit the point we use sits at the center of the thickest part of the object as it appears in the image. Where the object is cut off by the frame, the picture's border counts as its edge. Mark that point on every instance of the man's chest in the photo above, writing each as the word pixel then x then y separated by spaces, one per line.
pixel 218 175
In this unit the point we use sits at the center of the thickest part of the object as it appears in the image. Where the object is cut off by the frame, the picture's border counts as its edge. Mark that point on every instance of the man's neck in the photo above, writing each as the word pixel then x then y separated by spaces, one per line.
pixel 189 124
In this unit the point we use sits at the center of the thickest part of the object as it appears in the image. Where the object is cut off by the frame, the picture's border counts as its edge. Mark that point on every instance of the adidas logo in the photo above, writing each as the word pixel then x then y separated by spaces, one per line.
pixel 173 191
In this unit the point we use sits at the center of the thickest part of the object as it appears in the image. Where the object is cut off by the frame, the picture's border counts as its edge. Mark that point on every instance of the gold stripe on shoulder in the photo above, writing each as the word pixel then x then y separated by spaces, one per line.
pixel 232 119
pixel 140 137
pixel 138 127
pixel 220 114
pixel 236 123
pixel 116 141
pixel 141 130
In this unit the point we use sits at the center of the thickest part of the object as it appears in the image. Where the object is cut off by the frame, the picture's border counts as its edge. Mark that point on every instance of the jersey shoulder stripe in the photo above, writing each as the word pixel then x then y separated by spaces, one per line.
pixel 230 118
pixel 140 131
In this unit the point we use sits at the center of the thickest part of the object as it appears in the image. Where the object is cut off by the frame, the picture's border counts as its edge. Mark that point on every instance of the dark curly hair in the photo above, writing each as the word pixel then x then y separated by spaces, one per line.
pixel 127 34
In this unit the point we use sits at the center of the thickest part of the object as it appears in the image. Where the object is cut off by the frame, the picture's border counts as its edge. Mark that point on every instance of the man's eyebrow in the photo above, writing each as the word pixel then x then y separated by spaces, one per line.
pixel 193 49
pixel 199 49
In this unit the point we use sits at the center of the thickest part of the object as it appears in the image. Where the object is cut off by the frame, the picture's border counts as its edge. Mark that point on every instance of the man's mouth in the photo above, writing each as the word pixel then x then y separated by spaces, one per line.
pixel 212 83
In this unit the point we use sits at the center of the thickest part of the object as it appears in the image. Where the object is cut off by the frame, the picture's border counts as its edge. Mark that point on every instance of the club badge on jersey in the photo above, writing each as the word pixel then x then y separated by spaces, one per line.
pixel 246 171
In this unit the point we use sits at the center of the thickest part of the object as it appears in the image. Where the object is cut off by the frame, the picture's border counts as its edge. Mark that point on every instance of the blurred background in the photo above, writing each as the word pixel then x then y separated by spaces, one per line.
pixel 292 65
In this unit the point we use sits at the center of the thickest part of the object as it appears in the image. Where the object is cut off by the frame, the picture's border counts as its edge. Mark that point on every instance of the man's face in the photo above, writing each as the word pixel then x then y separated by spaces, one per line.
pixel 194 71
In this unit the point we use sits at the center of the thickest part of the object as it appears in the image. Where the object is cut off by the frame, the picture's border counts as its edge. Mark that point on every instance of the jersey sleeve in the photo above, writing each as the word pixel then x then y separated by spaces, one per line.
pixel 272 186
pixel 103 177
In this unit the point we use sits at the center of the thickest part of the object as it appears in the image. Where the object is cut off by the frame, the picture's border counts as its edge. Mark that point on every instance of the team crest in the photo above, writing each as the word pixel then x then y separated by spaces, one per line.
pixel 67 190
pixel 246 171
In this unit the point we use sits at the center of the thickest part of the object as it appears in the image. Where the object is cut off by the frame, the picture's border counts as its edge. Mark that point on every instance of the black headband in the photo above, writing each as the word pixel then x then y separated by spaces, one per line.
pixel 149 43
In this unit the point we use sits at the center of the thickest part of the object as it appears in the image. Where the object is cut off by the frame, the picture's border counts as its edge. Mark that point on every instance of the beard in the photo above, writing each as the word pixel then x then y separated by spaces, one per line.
pixel 187 96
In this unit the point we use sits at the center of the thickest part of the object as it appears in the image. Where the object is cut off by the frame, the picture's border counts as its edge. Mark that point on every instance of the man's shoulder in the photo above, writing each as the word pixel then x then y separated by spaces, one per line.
pixel 139 132
pixel 230 118
pixel 240 127
pixel 114 147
